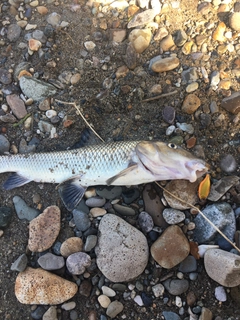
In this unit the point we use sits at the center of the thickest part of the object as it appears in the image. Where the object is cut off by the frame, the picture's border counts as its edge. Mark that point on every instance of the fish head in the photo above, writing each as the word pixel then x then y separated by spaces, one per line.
pixel 167 161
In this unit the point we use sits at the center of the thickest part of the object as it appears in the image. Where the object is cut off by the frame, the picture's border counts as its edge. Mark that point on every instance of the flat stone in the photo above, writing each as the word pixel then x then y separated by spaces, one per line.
pixel 223 267
pixel 118 35
pixel 23 210
pixel 167 43
pixel 140 38
pixel 50 261
pixel 122 250
pixel 37 286
pixel 131 57
pixel 13 32
pixel 176 286
pixel 218 34
pixel 222 215
pixel 90 243
pixel 191 103
pixel 164 250
pixel 206 314
pixel 104 301
pixel 142 18
pixel 108 291
pixel 70 246
pixel 153 205
pixel 220 294
pixel 173 216
pixel 234 21
pixel 85 288
pixel 183 189
pixel 17 105
pixel 232 103
pixel 50 314
pixel 114 309
pixel 219 188
pixel 44 229
pixel 145 222
pixel 81 220
pixel 188 265
pixel 20 264
pixel 164 64
pixel 36 89
pixel 78 262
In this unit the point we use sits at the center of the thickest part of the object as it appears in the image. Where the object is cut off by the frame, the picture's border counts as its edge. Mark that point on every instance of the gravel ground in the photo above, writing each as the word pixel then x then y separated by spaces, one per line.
pixel 84 51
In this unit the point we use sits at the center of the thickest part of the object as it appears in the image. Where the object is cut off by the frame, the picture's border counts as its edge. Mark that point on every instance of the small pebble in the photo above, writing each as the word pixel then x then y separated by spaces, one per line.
pixel 104 300
pixel 108 291
pixel 78 262
pixel 20 264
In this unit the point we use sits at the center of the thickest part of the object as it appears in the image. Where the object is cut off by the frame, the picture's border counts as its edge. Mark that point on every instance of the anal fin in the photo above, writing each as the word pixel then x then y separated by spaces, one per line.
pixel 15 180
pixel 71 193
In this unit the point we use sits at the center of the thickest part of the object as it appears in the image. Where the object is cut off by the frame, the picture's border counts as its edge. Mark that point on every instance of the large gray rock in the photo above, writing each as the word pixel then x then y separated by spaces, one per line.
pixel 222 215
pixel 122 250
pixel 223 267
pixel 36 89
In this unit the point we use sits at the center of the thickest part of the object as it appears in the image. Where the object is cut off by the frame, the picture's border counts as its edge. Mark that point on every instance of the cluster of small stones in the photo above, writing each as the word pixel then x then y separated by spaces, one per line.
pixel 204 43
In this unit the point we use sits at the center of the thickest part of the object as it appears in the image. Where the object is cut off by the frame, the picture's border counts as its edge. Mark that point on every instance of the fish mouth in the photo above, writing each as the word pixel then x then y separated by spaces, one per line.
pixel 197 169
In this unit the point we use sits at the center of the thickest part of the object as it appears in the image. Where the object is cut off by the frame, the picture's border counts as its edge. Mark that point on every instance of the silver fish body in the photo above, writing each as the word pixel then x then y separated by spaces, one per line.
pixel 115 163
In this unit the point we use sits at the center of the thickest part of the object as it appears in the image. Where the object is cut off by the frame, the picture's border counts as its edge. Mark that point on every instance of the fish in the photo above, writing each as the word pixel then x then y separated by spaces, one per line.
pixel 122 163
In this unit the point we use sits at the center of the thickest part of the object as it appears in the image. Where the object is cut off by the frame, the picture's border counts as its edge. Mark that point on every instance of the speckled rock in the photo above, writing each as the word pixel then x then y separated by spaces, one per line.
pixel 191 103
pixel 37 286
pixel 122 250
pixel 184 190
pixel 223 267
pixel 164 250
pixel 173 216
pixel 70 246
pixel 78 262
pixel 44 229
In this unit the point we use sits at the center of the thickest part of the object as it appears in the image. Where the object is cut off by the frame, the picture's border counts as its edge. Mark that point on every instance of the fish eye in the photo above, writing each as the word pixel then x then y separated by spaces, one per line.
pixel 172 145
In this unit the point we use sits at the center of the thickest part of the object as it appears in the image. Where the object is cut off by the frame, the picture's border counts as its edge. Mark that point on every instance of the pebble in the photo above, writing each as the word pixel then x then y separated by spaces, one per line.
pixel 44 229
pixel 142 18
pixel 138 300
pixel 97 212
pixel 85 288
pixel 218 34
pixel 158 290
pixel 159 64
pixel 131 57
pixel 4 144
pixel 13 32
pixel 185 127
pixel 130 195
pixel 183 189
pixel 167 43
pixel 104 301
pixel 20 264
pixel 50 261
pixel 44 105
pixel 192 87
pixel 117 35
pixel 5 216
pixel 202 248
pixel 191 103
pixel 173 216
pixel 220 187
pixel 140 39
pixel 145 222
pixel 109 192
pixel 169 315
pixel 42 10
pixel 188 265
pixel 191 298
pixel 108 291
pixel 220 294
pixel 89 45
pixel 95 202
pixel 54 19
pixel 180 37
pixel 17 105
pixel 222 215
pixel 168 114
pixel 37 286
pixel 176 286
pixel 206 314
pixel 5 76
pixel 114 309
pixel 117 234
pixel 91 242
pixel 70 246
pixel 153 205
pixel 78 262
pixel 223 267
pixel 234 21
pixel 164 250
pixel 36 89
pixel 68 305
pixel 231 103
pixel 50 314
pixel 23 210
pixel 45 126
pixel 81 220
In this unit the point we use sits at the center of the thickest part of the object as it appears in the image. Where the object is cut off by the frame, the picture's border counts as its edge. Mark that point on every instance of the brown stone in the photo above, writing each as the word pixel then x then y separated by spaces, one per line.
pixel 17 106
pixel 165 251
pixel 34 45
pixel 218 34
pixel 167 43
pixel 232 103
pixel 70 246
pixel 42 10
pixel 191 103
pixel 165 64
pixel 44 229
pixel 140 38
pixel 37 286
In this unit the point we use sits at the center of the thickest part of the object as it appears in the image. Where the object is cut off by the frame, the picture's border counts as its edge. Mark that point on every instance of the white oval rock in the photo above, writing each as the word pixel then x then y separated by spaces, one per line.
pixel 122 250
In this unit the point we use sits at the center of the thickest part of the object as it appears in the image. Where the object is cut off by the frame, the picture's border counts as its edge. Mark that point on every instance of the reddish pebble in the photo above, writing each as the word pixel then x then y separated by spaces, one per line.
pixel 191 142
pixel 67 123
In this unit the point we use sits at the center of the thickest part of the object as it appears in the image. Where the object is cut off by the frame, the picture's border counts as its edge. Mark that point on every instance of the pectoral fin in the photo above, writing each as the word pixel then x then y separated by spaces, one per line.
pixel 71 193
pixel 15 180
pixel 122 173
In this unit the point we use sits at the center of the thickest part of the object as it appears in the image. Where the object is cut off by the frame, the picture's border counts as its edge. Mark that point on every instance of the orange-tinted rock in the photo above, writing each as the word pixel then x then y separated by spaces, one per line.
pixel 70 246
pixel 191 103
pixel 165 64
pixel 34 45
pixel 44 229
pixel 42 10
pixel 37 286
pixel 218 34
